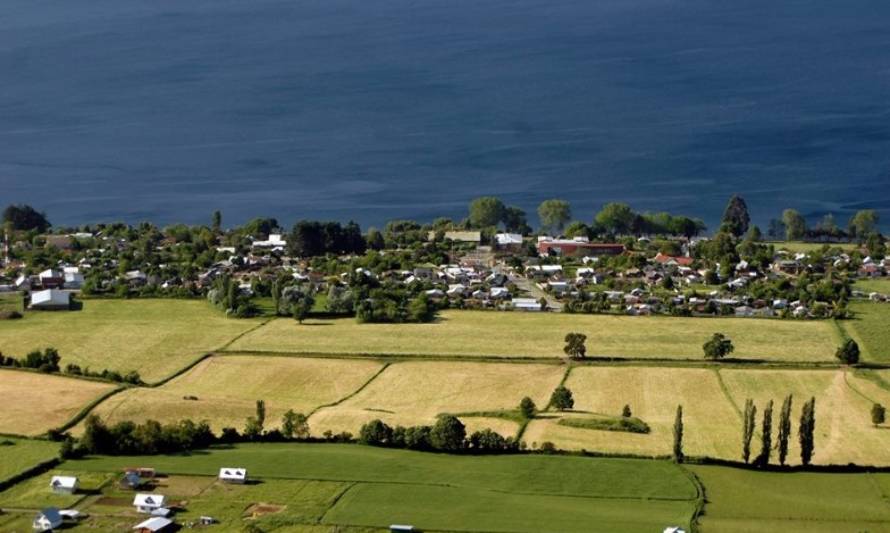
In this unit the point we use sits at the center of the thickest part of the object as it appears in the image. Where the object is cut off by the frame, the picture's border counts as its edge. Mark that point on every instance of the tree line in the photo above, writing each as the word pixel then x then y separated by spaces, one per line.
pixel 806 432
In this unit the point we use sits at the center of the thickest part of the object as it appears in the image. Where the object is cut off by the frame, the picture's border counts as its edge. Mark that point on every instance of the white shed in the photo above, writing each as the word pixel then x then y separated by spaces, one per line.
pixel 146 503
pixel 63 484
pixel 233 475
pixel 50 299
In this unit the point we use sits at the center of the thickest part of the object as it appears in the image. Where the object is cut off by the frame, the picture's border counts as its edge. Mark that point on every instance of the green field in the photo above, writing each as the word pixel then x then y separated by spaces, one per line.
pixel 871 329
pixel 744 500
pixel 880 285
pixel 11 301
pixel 498 334
pixel 23 454
pixel 374 487
pixel 155 337
pixel 806 247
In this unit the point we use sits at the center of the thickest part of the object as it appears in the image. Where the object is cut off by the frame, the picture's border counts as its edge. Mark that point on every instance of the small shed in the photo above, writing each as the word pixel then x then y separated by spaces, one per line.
pixel 400 527
pixel 50 300
pixel 47 520
pixel 63 484
pixel 146 503
pixel 131 480
pixel 153 525
pixel 233 475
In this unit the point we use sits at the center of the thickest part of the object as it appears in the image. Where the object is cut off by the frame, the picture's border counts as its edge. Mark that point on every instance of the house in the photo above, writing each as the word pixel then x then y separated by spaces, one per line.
pixel 63 484
pixel 499 292
pixel 508 241
pixel 50 300
pixel 73 277
pixel 61 242
pixel 233 475
pixel 153 525
pixel 577 246
pixel 47 520
pixel 744 311
pixel 131 480
pixel 51 278
pixel 669 260
pixel 459 236
pixel 146 503
pixel 526 304
pixel 399 528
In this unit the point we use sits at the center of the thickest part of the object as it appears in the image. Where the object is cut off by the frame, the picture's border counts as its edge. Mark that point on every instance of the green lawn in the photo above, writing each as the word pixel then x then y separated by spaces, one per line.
pixel 744 500
pixel 503 334
pixel 11 301
pixel 805 247
pixel 375 487
pixel 871 329
pixel 23 454
pixel 881 285
pixel 35 493
pixel 155 337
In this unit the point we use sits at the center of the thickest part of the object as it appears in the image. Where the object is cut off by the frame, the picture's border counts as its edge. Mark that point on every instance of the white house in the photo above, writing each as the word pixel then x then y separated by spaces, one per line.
pixel 233 475
pixel 275 241
pixel 146 503
pixel 63 484
pixel 73 278
pixel 526 304
pixel 50 299
pixel 153 525
pixel 47 520
pixel 505 240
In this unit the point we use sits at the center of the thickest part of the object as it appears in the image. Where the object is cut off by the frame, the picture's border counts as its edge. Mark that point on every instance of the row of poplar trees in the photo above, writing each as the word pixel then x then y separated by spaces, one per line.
pixel 805 432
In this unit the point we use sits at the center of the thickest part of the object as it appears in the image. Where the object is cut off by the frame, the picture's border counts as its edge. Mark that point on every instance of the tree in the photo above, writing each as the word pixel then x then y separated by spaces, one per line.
pixel 25 218
pixel 421 309
pixel 554 214
pixel 616 218
pixel 795 225
pixel 718 347
pixel 848 352
pixel 748 419
pixel 486 211
pixel 863 223
pixel 735 217
pixel 375 433
pixel 562 398
pixel 261 413
pixel 806 431
pixel 448 434
pixel 295 425
pixel 626 412
pixel 375 239
pixel 575 347
pixel 784 429
pixel 678 435
pixel 766 435
pixel 515 220
pixel 776 229
pixel 216 221
pixel 527 408
pixel 878 414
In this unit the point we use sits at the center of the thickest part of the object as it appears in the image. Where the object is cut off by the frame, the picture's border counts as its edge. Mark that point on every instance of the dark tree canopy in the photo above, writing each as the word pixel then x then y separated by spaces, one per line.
pixel 848 352
pixel 527 407
pixel 718 347
pixel 486 211
pixel 575 347
pixel 554 214
pixel 24 217
pixel 448 433
pixel 562 398
pixel 736 218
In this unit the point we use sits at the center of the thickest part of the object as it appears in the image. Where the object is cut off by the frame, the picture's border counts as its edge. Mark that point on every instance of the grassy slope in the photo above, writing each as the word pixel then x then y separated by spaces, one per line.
pixel 155 337
pixel 34 403
pixel 24 454
pixel 478 333
pixel 465 493
pixel 743 500
pixel 227 388
pixel 871 330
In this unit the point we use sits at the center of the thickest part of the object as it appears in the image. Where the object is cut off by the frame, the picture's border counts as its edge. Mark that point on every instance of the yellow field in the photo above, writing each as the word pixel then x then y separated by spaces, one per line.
pixel 653 395
pixel 227 388
pixel 415 393
pixel 155 337
pixel 35 403
pixel 712 424
pixel 479 333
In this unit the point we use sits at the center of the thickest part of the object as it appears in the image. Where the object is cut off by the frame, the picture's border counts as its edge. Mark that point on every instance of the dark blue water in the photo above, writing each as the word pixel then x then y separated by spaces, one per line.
pixel 166 110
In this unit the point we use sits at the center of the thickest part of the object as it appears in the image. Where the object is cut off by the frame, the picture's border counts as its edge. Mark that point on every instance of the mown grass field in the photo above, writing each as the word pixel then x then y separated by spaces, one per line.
pixel 18 455
pixel 745 500
pixel 711 403
pixel 227 388
pixel 871 330
pixel 880 285
pixel 372 487
pixel 494 334
pixel 34 403
pixel 413 393
pixel 12 301
pixel 154 337
pixel 806 247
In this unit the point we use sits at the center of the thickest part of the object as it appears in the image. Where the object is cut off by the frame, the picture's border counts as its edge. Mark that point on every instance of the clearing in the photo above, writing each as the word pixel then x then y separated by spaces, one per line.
pixel 154 337
pixel 34 403
pixel 503 334
pixel 228 386
pixel 415 392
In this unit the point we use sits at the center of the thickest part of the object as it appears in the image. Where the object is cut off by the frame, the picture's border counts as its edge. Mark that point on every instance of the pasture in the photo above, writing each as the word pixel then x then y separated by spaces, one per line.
pixel 12 301
pixel 224 389
pixel 154 337
pixel 34 403
pixel 353 485
pixel 415 392
pixel 711 408
pixel 745 500
pixel 871 329
pixel 807 247
pixel 533 335
pixel 880 285
pixel 19 455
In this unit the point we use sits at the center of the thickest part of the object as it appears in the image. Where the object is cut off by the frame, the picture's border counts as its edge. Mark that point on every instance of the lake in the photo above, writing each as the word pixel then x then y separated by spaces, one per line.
pixel 166 110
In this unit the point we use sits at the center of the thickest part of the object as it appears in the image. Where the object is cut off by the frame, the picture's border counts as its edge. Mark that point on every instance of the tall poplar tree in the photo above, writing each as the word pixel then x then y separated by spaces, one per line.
pixel 766 435
pixel 806 431
pixel 748 429
pixel 784 429
pixel 678 435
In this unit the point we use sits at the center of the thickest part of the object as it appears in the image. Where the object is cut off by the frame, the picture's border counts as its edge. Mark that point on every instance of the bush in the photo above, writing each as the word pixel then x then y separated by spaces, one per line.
pixel 10 315
pixel 848 353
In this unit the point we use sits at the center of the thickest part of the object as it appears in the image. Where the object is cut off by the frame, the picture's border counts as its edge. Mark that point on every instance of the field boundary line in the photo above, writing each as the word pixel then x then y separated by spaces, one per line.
pixel 245 332
pixel 351 394
pixel 700 500
pixel 857 391
pixel 337 498
pixel 88 408
pixel 727 394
